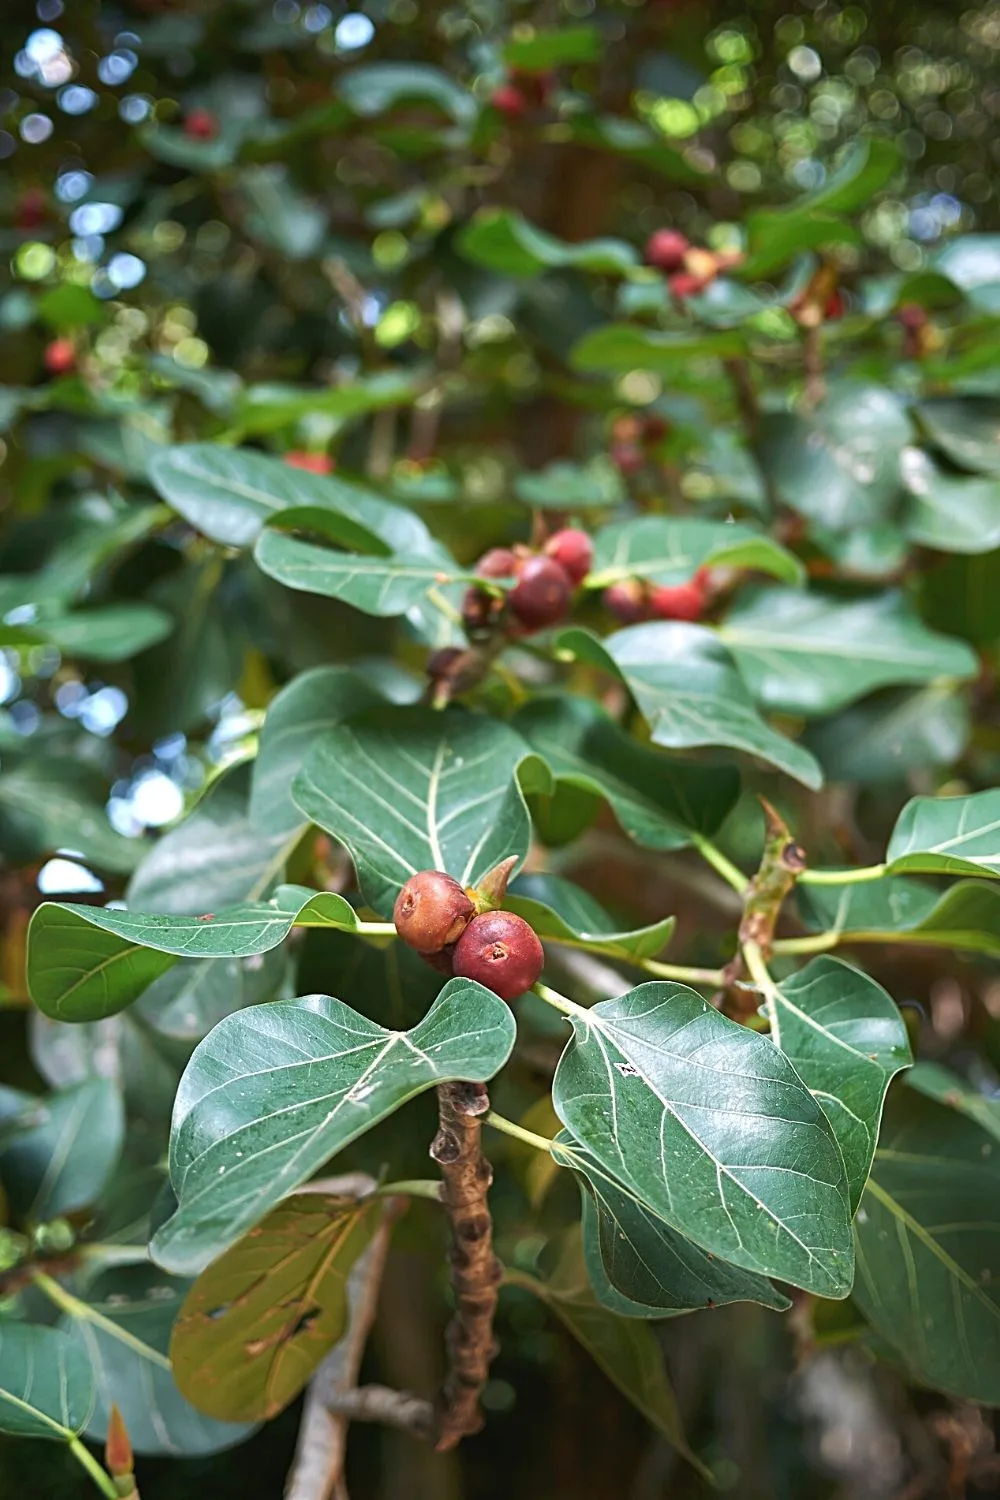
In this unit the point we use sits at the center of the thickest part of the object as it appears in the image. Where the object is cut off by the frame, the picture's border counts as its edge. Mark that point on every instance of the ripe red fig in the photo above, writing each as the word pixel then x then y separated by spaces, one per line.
pixel 201 125
pixel 541 594
pixel 573 550
pixel 627 457
pixel 684 284
pixel 682 601
pixel 665 249
pixel 60 356
pixel 498 562
pixel 313 463
pixel 627 601
pixel 509 101
pixel 912 316
pixel 501 951
pixel 431 911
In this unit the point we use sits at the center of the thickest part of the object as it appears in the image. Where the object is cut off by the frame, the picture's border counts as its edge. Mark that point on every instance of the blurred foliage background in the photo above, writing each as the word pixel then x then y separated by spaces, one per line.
pixel 208 207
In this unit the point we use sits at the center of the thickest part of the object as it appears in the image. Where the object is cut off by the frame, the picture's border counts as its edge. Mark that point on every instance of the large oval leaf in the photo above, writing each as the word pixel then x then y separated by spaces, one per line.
pixel 258 1321
pixel 948 836
pixel 847 1041
pixel 709 1125
pixel 502 240
pixel 273 1092
pixel 59 1151
pixel 928 1245
pixel 409 789
pixel 952 515
pixel 897 910
pixel 690 691
pixel 556 908
pixel 669 549
pixel 46 1389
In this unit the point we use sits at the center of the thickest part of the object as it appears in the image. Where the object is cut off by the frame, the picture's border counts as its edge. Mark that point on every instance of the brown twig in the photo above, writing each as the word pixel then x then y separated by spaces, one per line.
pixel 781 864
pixel 812 355
pixel 475 1271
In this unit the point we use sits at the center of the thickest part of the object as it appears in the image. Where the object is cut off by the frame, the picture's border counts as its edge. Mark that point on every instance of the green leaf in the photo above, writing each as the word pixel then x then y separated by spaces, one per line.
pixel 501 239
pixel 708 1124
pixel 572 487
pixel 377 87
pixel 947 836
pixel 46 1389
pixel 114 632
pixel 949 514
pixel 229 493
pixel 310 704
pixel 408 789
pixel 965 916
pixel 258 1321
pixel 618 348
pixel 945 1087
pixel 928 1245
pixel 194 995
pixel 658 801
pixel 669 550
pixel 972 262
pixel 689 690
pixel 268 407
pixel 643 1260
pixel 847 1041
pixel 87 962
pixel 965 428
pixel 892 734
pixel 57 802
pixel 123 1327
pixel 839 465
pixel 278 215
pixel 59 1150
pixel 645 147
pixel 812 653
pixel 775 237
pixel 537 51
pixel 625 1348
pixel 275 1091
pixel 556 908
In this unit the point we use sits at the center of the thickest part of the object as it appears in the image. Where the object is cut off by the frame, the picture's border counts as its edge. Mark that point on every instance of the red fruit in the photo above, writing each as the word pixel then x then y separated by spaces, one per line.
pixel 912 316
pixel 60 356
pixel 498 562
pixel 541 594
pixel 685 284
pixel 834 307
pixel 509 101
pixel 500 951
pixel 431 911
pixel 201 125
pixel 666 249
pixel 32 208
pixel 313 463
pixel 627 457
pixel 573 550
pixel 627 601
pixel 682 601
pixel 480 612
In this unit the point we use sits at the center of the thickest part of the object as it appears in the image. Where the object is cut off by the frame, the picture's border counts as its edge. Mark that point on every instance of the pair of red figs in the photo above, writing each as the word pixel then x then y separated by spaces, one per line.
pixel 446 924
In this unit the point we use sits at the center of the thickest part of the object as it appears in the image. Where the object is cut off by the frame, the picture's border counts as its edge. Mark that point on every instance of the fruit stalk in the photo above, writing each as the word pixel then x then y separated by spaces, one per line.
pixel 475 1271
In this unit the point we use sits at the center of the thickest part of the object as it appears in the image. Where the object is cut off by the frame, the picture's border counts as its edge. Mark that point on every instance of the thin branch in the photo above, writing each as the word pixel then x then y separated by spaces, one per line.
pixel 475 1271
pixel 379 1403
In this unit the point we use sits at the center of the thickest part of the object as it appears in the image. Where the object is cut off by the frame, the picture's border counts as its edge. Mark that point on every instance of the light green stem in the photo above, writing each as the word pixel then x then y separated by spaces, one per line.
pixel 712 978
pixel 114 1255
pixel 559 1002
pixel 816 942
pixel 413 1187
pixel 517 1132
pixel 87 1461
pixel 754 960
pixel 842 877
pixel 720 863
pixel 84 1313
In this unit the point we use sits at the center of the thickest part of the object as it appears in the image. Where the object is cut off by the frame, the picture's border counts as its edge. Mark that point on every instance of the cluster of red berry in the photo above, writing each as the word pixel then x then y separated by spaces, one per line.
pixel 689 269
pixel 633 600
pixel 542 592
pixel 441 920
pixel 522 93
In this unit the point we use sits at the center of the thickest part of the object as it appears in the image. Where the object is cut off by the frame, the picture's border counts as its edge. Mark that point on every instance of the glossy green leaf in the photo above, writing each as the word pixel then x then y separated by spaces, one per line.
pixel 839 465
pixel 947 836
pixel 617 348
pixel 928 1245
pixel 195 994
pixel 59 1150
pixel 966 428
pixel 949 514
pixel 708 1124
pixel 571 487
pixel 86 962
pixel 892 734
pixel 965 916
pixel 377 87
pixel 556 908
pixel 54 802
pixel 46 1390
pixel 268 407
pixel 126 1052
pixel 384 586
pixel 275 1091
pixel 645 1262
pixel 229 493
pixel 258 1320
pixel 310 704
pixel 123 1328
pixel 670 550
pixel 410 789
pixel 688 688
pixel 114 632
pixel 945 1087
pixel 625 136
pixel 972 262
pixel 502 240
pixel 812 653
pixel 625 1348
pixel 847 1041
pixel 775 237
pixel 539 50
